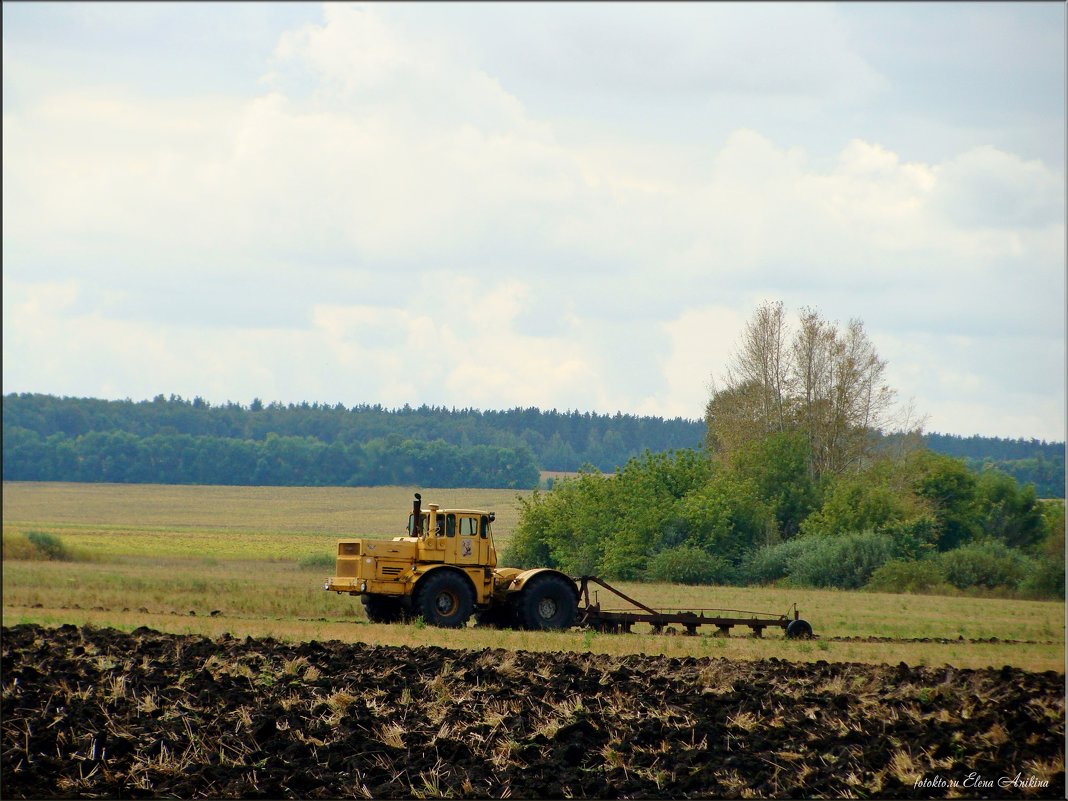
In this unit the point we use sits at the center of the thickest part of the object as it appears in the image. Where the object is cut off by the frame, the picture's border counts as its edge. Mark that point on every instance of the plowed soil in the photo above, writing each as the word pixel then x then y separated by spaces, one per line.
pixel 103 713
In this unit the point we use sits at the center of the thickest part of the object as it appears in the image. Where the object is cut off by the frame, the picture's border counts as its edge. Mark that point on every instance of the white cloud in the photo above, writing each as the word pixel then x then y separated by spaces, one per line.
pixel 702 341
pixel 1011 385
pixel 645 51
pixel 391 220
pixel 988 188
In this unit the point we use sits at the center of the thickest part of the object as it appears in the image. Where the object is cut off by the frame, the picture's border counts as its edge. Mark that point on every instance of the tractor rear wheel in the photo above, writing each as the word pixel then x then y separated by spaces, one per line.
pixel 444 599
pixel 381 608
pixel 548 602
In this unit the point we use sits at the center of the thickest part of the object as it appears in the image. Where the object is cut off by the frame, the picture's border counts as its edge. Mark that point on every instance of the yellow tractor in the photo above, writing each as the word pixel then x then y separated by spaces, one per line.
pixel 444 570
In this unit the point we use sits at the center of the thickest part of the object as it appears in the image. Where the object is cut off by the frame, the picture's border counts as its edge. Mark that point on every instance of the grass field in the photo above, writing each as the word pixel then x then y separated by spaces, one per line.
pixel 236 551
pixel 109 521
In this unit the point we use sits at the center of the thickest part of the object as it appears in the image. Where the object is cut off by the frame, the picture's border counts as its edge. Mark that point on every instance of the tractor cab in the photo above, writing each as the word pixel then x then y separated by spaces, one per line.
pixel 453 536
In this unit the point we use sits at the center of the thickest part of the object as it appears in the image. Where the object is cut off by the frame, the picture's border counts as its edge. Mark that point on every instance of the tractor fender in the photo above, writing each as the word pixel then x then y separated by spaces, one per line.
pixel 521 580
pixel 424 570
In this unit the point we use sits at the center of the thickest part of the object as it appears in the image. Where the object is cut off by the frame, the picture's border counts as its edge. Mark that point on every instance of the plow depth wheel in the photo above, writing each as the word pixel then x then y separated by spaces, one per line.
pixel 548 602
pixel 799 630
pixel 444 599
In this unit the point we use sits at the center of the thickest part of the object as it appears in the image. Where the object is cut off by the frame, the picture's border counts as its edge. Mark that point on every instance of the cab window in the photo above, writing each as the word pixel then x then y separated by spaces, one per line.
pixel 450 525
pixel 411 520
pixel 468 526
pixel 484 526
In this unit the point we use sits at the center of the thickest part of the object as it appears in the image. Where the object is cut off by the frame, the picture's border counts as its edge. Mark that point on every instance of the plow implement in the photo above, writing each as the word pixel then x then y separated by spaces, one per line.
pixel 592 614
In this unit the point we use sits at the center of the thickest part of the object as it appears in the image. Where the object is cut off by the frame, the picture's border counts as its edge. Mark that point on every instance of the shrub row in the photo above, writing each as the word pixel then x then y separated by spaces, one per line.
pixel 871 561
pixel 868 560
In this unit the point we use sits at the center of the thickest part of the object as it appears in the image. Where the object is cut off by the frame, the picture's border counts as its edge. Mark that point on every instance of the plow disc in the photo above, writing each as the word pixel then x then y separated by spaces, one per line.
pixel 592 614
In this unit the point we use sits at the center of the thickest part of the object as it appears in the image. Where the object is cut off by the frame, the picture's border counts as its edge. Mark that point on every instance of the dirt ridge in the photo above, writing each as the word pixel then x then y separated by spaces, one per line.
pixel 216 613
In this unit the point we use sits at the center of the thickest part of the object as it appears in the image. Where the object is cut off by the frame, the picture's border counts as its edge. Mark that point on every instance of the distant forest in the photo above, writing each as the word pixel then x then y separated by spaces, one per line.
pixel 173 440
pixel 179 441
pixel 1029 461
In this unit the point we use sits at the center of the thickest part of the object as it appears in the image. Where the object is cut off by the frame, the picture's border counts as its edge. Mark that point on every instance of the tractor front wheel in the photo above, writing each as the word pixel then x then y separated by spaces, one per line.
pixel 548 602
pixel 381 608
pixel 444 599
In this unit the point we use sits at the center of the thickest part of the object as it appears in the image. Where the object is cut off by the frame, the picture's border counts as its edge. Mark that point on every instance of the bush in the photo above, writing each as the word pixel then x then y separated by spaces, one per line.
pixel 914 538
pixel 846 562
pixel 1052 546
pixel 773 562
pixel 986 564
pixel 318 560
pixel 49 546
pixel 856 503
pixel 908 575
pixel 1045 581
pixel 688 564
pixel 565 528
pixel 16 546
pixel 726 516
pixel 525 551
pixel 1009 512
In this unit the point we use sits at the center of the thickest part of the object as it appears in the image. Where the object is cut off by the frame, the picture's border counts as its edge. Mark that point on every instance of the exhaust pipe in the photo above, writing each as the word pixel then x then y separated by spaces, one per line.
pixel 417 516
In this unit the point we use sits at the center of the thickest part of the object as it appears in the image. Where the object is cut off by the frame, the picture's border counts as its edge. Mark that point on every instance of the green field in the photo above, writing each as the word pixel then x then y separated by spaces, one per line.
pixel 113 521
pixel 237 551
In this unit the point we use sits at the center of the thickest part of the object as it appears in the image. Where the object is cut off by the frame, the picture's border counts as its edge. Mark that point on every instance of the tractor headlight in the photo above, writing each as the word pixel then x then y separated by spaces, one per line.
pixel 326 584
pixel 363 586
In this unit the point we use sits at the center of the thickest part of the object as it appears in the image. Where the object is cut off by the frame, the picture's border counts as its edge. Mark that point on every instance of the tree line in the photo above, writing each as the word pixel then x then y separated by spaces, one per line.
pixel 994 449
pixel 807 478
pixel 564 441
pixel 122 457
pixel 1029 461
pixel 558 440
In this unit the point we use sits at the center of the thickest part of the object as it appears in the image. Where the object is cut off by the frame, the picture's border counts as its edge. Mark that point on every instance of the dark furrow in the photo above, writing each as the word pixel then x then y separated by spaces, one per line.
pixel 90 712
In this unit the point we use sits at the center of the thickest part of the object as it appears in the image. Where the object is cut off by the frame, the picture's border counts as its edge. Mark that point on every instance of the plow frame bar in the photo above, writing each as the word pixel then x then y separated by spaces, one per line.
pixel 591 614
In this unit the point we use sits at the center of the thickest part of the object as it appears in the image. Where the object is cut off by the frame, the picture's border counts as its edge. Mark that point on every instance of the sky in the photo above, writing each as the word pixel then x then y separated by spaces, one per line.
pixel 569 206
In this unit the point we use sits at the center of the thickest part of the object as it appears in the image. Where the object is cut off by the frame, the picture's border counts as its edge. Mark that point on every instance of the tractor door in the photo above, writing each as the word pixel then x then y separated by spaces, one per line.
pixel 467 541
pixel 486 554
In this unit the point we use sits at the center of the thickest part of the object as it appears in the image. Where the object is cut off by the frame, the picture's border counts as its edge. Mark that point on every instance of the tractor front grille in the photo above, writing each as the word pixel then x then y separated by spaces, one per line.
pixel 347 568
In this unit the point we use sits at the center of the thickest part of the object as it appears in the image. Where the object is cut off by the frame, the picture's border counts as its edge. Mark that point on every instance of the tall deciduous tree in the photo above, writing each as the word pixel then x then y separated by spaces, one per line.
pixel 763 364
pixel 824 382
